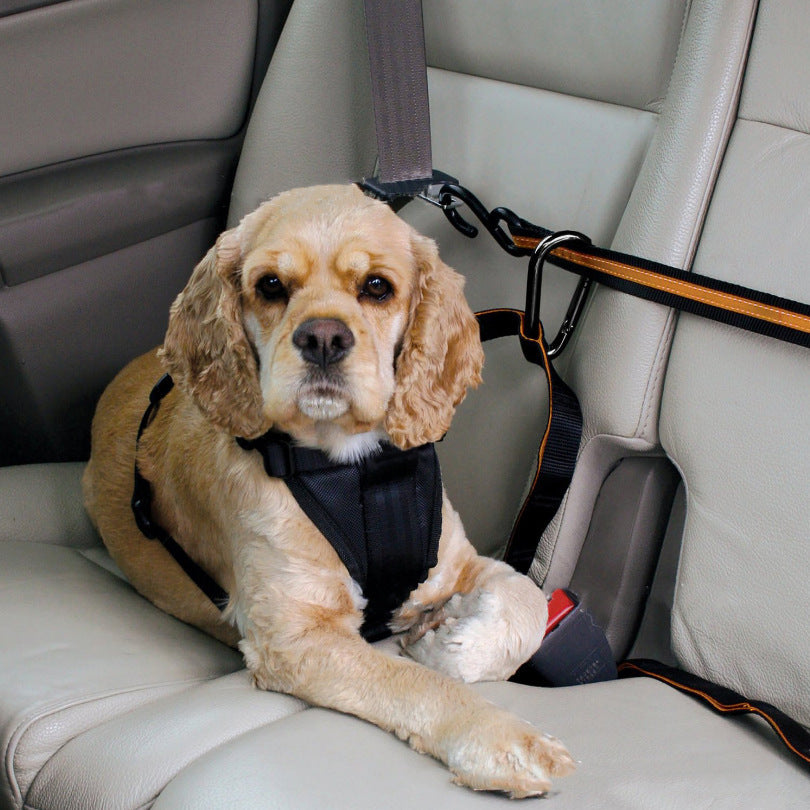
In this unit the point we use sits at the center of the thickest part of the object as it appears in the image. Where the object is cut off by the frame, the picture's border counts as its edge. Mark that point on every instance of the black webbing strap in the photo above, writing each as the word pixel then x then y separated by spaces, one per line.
pixel 725 701
pixel 142 509
pixel 559 446
pixel 402 514
pixel 733 304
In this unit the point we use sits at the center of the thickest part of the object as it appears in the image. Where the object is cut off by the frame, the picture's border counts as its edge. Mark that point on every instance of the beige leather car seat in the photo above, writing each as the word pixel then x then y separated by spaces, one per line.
pixel 612 121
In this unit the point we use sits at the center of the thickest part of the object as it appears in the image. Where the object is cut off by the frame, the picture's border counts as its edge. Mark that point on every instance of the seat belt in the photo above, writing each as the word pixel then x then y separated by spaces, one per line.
pixel 396 49
pixel 399 94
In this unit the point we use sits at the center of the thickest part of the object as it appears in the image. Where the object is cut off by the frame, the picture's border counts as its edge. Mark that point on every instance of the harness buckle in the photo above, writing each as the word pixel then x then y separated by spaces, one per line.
pixel 278 456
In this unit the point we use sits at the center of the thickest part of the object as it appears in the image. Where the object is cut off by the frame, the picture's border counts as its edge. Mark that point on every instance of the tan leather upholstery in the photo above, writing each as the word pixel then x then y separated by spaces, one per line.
pixel 734 415
pixel 620 126
pixel 639 745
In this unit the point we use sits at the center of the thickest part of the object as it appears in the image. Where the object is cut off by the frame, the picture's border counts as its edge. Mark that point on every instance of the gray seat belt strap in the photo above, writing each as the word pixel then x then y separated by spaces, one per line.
pixel 396 51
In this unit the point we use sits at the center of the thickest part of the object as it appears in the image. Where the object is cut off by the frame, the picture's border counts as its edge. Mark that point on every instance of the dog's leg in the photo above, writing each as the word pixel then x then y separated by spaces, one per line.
pixel 299 623
pixel 486 632
pixel 484 746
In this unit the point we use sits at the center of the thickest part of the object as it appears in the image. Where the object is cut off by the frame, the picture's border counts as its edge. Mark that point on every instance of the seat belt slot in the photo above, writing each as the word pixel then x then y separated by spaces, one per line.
pixel 574 651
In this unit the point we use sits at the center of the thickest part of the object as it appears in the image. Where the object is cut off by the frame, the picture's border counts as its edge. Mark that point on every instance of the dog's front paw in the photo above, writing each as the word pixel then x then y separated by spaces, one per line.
pixel 470 639
pixel 508 755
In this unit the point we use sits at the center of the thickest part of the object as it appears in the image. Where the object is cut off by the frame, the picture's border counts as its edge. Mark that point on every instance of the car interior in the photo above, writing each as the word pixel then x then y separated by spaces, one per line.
pixel 134 131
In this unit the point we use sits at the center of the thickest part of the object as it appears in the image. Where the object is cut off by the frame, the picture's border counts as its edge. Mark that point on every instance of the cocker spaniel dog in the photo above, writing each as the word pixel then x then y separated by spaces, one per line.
pixel 326 318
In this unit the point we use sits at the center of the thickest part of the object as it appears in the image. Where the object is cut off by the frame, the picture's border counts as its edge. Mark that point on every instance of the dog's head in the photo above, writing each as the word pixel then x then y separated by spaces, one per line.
pixel 324 315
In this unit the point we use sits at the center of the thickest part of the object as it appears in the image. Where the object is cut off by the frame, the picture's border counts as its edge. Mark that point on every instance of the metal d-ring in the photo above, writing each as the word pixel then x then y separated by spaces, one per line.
pixel 534 283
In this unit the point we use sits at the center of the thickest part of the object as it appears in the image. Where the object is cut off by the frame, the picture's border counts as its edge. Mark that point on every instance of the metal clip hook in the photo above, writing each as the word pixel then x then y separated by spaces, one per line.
pixel 451 195
pixel 491 220
pixel 534 283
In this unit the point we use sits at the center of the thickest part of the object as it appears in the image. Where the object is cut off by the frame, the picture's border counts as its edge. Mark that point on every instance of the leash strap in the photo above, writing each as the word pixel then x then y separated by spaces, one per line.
pixel 724 701
pixel 142 509
pixel 557 453
pixel 733 304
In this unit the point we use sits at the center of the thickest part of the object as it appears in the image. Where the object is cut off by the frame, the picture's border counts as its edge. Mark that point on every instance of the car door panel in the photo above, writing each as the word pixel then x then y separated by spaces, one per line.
pixel 121 123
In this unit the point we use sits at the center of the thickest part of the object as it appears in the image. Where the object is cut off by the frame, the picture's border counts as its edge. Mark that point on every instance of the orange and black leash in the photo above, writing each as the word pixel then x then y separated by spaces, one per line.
pixel 557 453
pixel 733 304
pixel 722 301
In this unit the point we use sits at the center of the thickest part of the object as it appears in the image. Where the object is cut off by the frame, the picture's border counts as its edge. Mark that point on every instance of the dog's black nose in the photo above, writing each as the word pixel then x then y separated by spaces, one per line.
pixel 323 341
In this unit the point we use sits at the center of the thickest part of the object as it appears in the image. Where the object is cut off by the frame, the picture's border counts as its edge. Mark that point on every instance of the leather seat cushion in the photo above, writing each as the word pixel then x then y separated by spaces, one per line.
pixel 640 744
pixel 78 645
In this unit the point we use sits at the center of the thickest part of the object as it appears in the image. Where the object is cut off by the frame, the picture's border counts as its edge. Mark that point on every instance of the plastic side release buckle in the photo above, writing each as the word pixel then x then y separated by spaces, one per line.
pixel 574 650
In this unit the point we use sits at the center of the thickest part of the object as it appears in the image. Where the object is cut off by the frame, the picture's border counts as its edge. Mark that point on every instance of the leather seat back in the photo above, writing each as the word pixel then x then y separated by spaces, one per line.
pixel 734 416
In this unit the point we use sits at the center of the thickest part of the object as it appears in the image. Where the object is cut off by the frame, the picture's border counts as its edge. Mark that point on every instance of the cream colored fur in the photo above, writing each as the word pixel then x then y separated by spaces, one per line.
pixel 294 611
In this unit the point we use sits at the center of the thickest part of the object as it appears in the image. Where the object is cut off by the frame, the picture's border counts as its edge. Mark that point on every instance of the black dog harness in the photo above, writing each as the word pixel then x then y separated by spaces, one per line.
pixel 382 515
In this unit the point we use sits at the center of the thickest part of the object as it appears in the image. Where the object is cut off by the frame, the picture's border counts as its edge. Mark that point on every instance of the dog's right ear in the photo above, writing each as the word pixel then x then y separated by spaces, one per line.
pixel 206 349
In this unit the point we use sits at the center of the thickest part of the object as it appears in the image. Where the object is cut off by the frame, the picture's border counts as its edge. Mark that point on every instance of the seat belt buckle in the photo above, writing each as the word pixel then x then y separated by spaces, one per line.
pixel 574 651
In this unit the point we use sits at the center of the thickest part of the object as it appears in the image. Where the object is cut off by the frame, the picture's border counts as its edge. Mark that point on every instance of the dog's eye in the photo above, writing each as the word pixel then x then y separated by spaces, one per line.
pixel 377 287
pixel 270 288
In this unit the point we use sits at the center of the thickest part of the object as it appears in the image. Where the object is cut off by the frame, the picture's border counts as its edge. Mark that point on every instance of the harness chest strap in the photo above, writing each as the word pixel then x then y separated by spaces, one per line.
pixel 382 515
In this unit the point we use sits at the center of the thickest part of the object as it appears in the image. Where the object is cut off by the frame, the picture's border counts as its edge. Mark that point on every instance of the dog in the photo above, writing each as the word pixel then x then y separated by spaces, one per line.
pixel 325 316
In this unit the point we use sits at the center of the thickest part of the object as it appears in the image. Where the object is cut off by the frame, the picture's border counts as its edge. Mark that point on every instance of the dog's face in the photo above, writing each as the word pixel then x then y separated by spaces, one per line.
pixel 324 315
pixel 327 292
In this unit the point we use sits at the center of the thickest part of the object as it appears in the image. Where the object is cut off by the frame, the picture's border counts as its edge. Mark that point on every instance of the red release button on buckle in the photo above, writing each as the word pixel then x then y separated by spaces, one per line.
pixel 560 604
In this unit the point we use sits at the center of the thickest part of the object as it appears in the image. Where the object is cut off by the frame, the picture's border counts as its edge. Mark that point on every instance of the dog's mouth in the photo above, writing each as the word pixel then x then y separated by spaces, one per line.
pixel 323 397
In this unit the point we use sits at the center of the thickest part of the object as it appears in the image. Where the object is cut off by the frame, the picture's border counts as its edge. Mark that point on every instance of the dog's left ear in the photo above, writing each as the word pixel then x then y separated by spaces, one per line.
pixel 206 349
pixel 441 354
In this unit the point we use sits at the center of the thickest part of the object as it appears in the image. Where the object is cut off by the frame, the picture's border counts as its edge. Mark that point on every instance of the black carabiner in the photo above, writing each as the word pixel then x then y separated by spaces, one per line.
pixel 491 220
